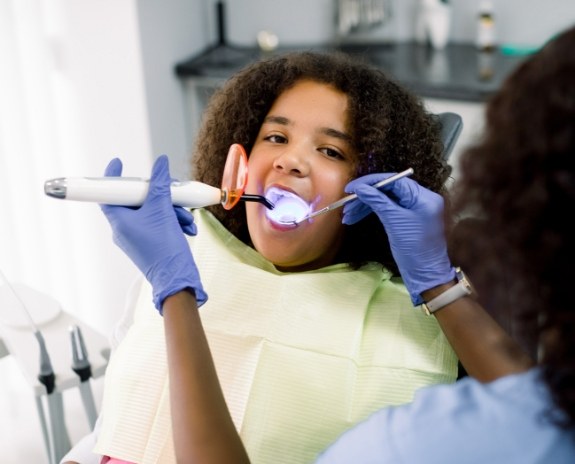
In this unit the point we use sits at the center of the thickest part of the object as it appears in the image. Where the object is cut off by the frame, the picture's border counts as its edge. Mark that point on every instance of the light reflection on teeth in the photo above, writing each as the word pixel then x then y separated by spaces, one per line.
pixel 288 207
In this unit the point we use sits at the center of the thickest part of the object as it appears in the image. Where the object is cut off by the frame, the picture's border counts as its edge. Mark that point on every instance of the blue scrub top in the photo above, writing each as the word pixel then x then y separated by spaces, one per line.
pixel 467 422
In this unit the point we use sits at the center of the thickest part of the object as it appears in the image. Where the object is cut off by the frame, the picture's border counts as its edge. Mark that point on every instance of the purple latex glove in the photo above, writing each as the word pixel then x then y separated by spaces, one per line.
pixel 152 237
pixel 413 220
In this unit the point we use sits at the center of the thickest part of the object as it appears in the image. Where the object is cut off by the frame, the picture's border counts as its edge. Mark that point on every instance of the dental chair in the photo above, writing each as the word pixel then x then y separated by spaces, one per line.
pixel 55 352
pixel 451 126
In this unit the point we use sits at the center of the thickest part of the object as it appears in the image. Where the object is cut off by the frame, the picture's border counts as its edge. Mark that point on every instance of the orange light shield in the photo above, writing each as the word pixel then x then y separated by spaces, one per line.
pixel 235 176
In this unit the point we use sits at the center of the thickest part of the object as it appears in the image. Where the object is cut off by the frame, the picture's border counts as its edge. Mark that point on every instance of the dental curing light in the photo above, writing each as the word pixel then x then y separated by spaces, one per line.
pixel 132 191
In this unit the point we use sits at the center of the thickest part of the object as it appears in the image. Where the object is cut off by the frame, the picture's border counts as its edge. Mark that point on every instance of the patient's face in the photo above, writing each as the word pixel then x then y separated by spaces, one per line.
pixel 304 148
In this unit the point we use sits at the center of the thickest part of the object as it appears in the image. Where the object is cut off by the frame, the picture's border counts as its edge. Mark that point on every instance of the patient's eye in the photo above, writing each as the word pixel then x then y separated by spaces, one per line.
pixel 332 153
pixel 276 138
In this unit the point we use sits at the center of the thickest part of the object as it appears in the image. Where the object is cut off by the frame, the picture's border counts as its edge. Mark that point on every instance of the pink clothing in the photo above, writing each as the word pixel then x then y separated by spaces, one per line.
pixel 109 460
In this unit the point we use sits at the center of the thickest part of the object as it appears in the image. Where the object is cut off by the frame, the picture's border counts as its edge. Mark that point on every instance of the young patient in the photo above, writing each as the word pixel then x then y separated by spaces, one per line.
pixel 310 327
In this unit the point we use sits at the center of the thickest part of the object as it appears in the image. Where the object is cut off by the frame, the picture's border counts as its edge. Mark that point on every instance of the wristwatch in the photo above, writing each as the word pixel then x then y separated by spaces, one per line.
pixel 459 290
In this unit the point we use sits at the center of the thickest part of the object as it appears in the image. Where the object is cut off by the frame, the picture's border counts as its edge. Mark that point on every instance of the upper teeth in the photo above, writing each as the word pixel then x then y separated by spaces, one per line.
pixel 289 207
pixel 274 194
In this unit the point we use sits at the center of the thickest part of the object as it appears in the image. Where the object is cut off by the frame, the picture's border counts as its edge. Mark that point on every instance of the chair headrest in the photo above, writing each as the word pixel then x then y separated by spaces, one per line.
pixel 451 126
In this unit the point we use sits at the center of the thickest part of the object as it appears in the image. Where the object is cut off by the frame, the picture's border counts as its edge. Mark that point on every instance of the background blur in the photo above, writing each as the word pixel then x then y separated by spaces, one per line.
pixel 83 82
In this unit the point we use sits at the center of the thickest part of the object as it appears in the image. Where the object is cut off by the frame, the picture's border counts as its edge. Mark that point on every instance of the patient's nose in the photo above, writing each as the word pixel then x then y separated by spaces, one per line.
pixel 294 161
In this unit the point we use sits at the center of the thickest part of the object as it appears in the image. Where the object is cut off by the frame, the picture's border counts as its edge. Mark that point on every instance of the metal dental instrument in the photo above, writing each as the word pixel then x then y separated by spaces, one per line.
pixel 81 366
pixel 258 198
pixel 353 196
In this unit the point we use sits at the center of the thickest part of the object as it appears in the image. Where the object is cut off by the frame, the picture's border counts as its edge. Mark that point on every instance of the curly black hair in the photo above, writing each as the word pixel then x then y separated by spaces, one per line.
pixel 518 183
pixel 390 128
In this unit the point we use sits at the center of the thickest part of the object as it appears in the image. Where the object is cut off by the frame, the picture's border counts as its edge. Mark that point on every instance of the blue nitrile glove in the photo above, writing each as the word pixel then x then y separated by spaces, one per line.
pixel 152 237
pixel 413 220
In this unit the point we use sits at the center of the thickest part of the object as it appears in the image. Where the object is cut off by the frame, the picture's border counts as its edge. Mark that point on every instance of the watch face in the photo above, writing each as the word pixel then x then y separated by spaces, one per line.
pixel 465 282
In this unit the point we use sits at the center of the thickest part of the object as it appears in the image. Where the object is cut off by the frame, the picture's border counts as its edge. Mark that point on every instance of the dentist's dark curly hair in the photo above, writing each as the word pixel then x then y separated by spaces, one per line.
pixel 517 192
pixel 390 128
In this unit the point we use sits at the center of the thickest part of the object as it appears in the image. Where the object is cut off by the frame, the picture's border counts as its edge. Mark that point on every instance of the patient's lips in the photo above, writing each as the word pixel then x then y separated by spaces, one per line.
pixel 289 207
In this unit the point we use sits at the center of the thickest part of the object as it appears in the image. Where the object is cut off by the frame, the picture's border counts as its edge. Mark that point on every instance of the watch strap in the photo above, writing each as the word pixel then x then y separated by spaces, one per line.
pixel 459 290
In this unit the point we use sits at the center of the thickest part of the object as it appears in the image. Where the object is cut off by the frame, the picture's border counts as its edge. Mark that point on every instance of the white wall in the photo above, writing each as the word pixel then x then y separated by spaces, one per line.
pixel 85 99
pixel 109 65
pixel 170 31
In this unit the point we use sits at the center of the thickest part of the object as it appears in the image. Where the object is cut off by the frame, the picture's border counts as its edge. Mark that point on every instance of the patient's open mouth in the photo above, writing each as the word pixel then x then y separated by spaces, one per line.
pixel 289 207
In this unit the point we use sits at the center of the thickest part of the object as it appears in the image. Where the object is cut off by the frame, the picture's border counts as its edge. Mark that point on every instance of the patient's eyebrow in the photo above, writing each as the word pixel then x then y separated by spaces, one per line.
pixel 336 134
pixel 277 120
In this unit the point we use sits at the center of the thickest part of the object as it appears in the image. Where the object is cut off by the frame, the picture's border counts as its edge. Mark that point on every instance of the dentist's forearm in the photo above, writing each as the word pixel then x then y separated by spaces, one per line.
pixel 202 426
pixel 485 350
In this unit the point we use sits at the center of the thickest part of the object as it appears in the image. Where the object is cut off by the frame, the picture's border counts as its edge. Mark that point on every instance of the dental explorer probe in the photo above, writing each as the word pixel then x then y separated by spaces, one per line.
pixel 353 196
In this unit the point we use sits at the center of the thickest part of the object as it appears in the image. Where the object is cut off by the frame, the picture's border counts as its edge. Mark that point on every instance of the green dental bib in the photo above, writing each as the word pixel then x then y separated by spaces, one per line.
pixel 301 357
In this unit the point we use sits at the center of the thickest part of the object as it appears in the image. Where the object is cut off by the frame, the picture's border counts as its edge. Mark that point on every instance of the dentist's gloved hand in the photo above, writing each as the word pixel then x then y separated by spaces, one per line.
pixel 153 236
pixel 413 220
